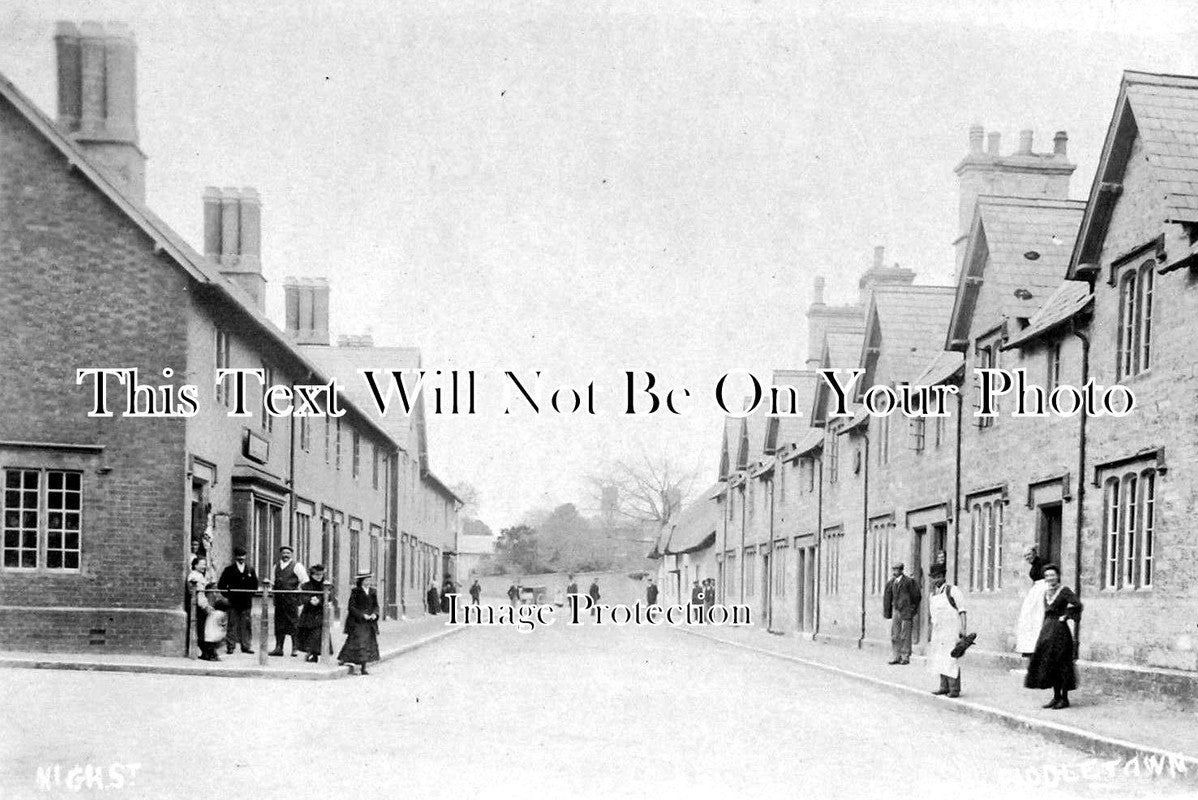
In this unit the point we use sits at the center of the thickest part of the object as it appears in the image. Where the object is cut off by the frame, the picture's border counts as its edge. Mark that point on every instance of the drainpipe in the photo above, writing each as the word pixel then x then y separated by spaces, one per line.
pixel 1081 485
pixel 819 545
pixel 864 532
pixel 741 555
pixel 291 477
pixel 769 578
pixel 724 550
pixel 957 493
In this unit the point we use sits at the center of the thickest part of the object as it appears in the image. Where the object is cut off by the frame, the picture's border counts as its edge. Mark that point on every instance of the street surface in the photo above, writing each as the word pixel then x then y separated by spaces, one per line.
pixel 564 712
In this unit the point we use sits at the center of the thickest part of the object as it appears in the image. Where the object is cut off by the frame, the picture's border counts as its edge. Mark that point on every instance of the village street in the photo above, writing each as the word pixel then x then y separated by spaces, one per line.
pixel 568 712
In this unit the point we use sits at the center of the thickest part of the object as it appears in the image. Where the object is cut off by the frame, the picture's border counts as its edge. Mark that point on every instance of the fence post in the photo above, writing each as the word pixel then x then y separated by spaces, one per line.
pixel 326 632
pixel 264 626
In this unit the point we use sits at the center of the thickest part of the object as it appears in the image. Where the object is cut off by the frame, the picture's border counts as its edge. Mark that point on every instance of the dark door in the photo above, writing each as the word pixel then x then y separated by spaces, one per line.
pixel 919 571
pixel 1050 533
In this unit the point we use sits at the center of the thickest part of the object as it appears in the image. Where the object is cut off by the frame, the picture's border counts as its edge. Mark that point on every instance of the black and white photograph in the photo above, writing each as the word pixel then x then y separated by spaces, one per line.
pixel 598 399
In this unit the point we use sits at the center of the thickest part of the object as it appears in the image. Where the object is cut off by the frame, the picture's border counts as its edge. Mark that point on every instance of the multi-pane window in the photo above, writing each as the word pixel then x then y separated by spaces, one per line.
pixel 731 576
pixel 831 559
pixel 1128 529
pixel 1053 364
pixel 303 537
pixel 919 434
pixel 987 358
pixel 779 588
pixel 267 533
pixel 337 451
pixel 881 532
pixel 355 545
pixel 750 571
pixel 223 362
pixel 376 535
pixel 357 454
pixel 42 519
pixel 1135 321
pixel 986 535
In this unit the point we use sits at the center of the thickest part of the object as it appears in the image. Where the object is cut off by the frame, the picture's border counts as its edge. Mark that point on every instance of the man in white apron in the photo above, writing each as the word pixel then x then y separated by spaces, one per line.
pixel 947 609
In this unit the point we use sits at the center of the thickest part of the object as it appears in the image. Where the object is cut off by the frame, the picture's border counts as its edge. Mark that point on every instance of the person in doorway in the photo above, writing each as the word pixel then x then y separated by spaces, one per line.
pixel 900 604
pixel 289 575
pixel 361 625
pixel 311 621
pixel 1051 666
pixel 432 598
pixel 651 593
pixel 238 581
pixel 447 592
pixel 593 592
pixel 1031 613
pixel 475 591
pixel 947 609
pixel 512 594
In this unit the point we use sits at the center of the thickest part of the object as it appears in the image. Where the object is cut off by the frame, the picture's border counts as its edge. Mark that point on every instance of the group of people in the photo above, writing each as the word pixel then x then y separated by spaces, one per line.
pixel 702 594
pixel 1045 633
pixel 223 608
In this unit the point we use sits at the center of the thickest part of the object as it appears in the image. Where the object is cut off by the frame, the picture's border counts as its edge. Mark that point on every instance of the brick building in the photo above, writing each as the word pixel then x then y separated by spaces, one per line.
pixel 99 512
pixel 815 511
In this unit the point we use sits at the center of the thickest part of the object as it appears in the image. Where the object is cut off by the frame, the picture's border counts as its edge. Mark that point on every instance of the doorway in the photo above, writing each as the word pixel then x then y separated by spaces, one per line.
pixel 919 571
pixel 1049 535
pixel 805 577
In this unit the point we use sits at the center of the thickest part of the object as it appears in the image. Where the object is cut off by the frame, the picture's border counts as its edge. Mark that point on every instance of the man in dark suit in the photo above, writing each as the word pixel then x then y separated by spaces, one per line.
pixel 651 593
pixel 239 575
pixel 696 598
pixel 900 604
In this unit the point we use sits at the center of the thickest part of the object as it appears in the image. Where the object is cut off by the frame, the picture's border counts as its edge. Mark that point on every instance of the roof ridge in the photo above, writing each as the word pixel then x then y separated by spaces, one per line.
pixel 1040 202
pixel 1160 78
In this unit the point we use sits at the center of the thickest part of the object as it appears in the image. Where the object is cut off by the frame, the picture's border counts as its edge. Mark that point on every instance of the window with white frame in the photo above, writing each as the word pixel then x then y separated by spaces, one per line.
pixel 1135 320
pixel 880 534
pixel 831 558
pixel 986 544
pixel 357 455
pixel 1129 522
pixel 987 356
pixel 919 434
pixel 779 579
pixel 43 519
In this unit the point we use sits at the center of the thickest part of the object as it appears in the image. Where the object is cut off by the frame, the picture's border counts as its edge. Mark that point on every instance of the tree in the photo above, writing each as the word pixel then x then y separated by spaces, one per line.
pixel 646 491
pixel 518 547
pixel 470 497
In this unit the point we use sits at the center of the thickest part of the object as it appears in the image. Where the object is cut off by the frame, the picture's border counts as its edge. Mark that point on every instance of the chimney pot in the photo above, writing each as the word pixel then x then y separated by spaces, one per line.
pixel 817 293
pixel 976 134
pixel 992 142
pixel 1059 143
pixel 879 255
pixel 1025 143
pixel 212 223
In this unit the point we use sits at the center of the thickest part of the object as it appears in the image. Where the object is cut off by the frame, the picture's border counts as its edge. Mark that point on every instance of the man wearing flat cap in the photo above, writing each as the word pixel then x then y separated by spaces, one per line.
pixel 238 581
pixel 900 604
pixel 289 575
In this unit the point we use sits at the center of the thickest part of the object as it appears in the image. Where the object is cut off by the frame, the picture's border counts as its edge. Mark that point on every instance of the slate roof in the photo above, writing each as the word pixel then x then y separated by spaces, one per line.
pixel 1070 298
pixel 909 322
pixel 813 438
pixel 789 428
pixel 1005 232
pixel 942 368
pixel 1166 111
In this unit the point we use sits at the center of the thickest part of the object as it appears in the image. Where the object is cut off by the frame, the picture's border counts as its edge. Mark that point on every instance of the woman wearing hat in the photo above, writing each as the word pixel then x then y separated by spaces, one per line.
pixel 310 631
pixel 361 625
pixel 946 607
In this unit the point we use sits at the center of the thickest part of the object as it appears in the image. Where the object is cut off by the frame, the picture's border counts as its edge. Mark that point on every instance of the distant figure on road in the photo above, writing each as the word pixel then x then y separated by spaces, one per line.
pixel 513 594
pixel 361 625
pixel 239 575
pixel 947 609
pixel 651 593
pixel 900 604
pixel 448 589
pixel 1051 666
pixel 708 596
pixel 594 595
pixel 475 591
pixel 432 598
pixel 573 587
pixel 696 597
pixel 311 621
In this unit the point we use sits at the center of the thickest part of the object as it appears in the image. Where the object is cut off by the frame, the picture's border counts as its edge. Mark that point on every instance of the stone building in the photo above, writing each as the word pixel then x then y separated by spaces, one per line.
pixel 99 511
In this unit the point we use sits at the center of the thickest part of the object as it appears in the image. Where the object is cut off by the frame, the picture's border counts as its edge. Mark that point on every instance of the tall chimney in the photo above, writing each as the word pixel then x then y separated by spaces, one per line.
pixel 992 142
pixel 306 303
pixel 879 255
pixel 817 290
pixel 232 238
pixel 1059 143
pixel 97 99
pixel 1025 143
pixel 976 134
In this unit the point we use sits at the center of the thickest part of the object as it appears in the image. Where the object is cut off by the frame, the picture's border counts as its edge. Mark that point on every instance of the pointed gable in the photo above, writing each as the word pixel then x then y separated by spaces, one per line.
pixel 782 431
pixel 1019 250
pixel 907 324
pixel 842 350
pixel 1161 113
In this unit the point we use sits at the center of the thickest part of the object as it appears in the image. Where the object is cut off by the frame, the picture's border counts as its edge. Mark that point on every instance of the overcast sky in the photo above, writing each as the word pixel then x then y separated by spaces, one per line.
pixel 587 187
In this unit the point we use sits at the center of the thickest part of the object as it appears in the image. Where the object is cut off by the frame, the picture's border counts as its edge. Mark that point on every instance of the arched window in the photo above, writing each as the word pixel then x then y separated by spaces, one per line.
pixel 1135 320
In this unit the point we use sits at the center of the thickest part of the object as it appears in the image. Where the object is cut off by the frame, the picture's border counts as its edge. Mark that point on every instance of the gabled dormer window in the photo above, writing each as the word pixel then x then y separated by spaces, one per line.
pixel 1135 320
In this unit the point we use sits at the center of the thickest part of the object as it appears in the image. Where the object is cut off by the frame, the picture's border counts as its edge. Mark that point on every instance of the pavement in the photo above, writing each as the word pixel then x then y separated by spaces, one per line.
pixel 395 638
pixel 563 711
pixel 1138 731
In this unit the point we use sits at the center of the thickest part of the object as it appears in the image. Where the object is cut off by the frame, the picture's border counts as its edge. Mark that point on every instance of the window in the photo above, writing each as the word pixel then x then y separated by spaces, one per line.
pixel 328 427
pixel 811 475
pixel 750 571
pixel 1128 529
pixel 267 533
pixel 880 535
pixel 919 434
pixel 884 440
pixel 831 559
pixel 731 576
pixel 833 454
pixel 338 444
pixel 782 482
pixel 43 512
pixel 986 534
pixel 268 380
pixel 751 503
pixel 780 570
pixel 355 546
pixel 987 358
pixel 303 537
pixel 938 428
pixel 1053 358
pixel 374 466
pixel 376 535
pixel 1135 321
pixel 357 455
pixel 222 362
pixel 305 434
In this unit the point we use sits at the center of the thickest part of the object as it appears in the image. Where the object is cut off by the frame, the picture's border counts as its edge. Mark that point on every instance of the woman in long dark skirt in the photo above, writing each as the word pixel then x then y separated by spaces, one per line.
pixel 1051 666
pixel 310 630
pixel 361 625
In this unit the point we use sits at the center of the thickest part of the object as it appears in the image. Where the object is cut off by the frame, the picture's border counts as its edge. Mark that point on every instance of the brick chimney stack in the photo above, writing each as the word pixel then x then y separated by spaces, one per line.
pixel 306 308
pixel 233 238
pixel 1024 173
pixel 879 274
pixel 97 99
